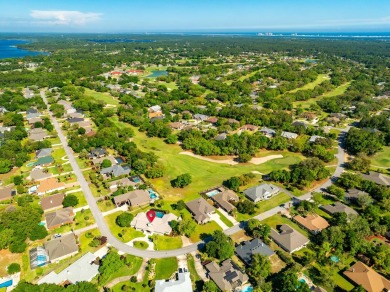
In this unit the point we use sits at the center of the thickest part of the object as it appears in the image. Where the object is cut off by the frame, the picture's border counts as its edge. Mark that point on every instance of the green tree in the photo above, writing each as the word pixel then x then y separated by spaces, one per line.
pixel 233 183
pixel 111 263
pixel 180 205
pixel 246 207
pixel 155 172
pixel 5 165
pixel 360 163
pixel 70 201
pixel 106 163
pixel 187 226
pixel 124 219
pixel 18 180
pixel 172 139
pixel 210 286
pixel 13 268
pixel 221 247
pixel 260 267
pixel 182 180
pixel 38 232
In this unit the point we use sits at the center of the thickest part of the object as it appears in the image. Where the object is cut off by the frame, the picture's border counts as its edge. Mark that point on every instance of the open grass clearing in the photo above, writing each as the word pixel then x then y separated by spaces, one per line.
pixel 124 234
pixel 266 205
pixel 105 97
pixel 165 268
pixel 205 174
pixel 320 78
pixel 167 242
pixel 204 230
pixel 381 158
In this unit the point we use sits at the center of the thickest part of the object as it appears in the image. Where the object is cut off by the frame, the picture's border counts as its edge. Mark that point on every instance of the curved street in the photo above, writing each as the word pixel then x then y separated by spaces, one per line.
pixel 121 246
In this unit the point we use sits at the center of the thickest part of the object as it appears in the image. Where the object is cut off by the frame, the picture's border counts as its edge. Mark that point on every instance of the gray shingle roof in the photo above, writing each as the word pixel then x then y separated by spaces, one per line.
pixel 260 192
pixel 247 248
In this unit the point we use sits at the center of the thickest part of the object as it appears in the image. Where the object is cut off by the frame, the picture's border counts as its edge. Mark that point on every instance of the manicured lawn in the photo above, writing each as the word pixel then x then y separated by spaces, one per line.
pixel 126 270
pixel 205 174
pixel 266 205
pixel 81 220
pixel 277 219
pixel 320 78
pixel 382 158
pixel 191 268
pixel 140 244
pixel 82 201
pixel 106 97
pixel 224 219
pixel 204 230
pixel 84 241
pixel 167 242
pixel 105 206
pixel 125 234
pixel 338 90
pixel 165 268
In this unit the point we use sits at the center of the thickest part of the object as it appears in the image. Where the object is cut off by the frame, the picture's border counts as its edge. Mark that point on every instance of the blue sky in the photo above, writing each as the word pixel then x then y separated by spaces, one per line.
pixel 114 16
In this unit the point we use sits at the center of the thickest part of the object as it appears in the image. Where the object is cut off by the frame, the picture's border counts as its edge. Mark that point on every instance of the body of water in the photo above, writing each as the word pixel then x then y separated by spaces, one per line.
pixel 8 49
pixel 158 73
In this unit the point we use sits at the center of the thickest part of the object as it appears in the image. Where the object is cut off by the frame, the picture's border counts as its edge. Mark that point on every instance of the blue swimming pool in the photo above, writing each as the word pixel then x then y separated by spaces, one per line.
pixel 335 259
pixel 302 280
pixel 247 289
pixel 212 193
pixel 136 179
pixel 159 214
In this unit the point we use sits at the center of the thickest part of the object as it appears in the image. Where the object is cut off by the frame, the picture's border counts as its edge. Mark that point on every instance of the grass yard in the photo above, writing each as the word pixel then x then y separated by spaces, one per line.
pixel 204 230
pixel 126 270
pixel 84 241
pixel 382 158
pixel 224 219
pixel 80 196
pixel 167 242
pixel 261 207
pixel 105 97
pixel 165 268
pixel 124 234
pixel 140 244
pixel 191 268
pixel 277 219
pixel 6 258
pixel 205 174
pixel 240 236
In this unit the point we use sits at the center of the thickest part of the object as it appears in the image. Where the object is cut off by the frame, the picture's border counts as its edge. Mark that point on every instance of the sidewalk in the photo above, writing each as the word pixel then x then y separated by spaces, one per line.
pixel 217 219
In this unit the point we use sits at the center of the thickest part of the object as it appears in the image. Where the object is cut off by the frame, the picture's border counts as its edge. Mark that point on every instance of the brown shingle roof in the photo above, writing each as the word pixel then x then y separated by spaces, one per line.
pixel 135 198
pixel 60 247
pixel 59 217
pixel 312 222
pixel 224 198
pixel 367 277
pixel 200 209
pixel 49 185
pixel 52 201
pixel 288 238
pixel 6 193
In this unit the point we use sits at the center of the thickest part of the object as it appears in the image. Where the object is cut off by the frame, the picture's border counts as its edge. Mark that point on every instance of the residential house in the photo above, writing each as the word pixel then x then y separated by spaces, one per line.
pixel 176 126
pixel 78 114
pixel 28 93
pixel 59 217
pixel 376 177
pixel 312 222
pixel 288 238
pixel 6 193
pixel 339 207
pixel 220 137
pixel 123 182
pixel 153 222
pixel 353 194
pixel 289 135
pixel 44 161
pixel 225 198
pixel 299 124
pixel 115 171
pixel 32 121
pixel 5 129
pixel 37 134
pixel 314 138
pixel 38 174
pixel 133 198
pixel 98 161
pixel 195 79
pixel 32 113
pixel 212 120
pixel 60 248
pixel 201 117
pixel 83 270
pixel 227 276
pixel 181 283
pixel 155 112
pixel 75 120
pixel 38 257
pixel 261 192
pixel 43 152
pixel 367 277
pixel 49 185
pixel 250 128
pixel 201 210
pixel 69 109
pixel 97 153
pixel 52 202
pixel 246 249
pixel 268 132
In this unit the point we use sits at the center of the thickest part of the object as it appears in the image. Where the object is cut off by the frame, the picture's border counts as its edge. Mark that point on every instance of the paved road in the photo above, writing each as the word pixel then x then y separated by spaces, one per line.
pixel 105 231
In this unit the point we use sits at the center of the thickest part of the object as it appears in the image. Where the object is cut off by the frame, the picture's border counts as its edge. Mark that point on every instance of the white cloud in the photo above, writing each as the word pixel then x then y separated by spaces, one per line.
pixel 52 17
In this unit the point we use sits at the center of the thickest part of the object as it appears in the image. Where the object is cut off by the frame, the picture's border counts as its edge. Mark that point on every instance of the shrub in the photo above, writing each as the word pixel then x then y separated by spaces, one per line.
pixel 124 219
pixel 13 268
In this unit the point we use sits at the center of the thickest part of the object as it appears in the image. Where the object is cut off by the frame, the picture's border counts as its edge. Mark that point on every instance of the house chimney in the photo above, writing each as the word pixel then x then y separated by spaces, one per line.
pixel 51 201
pixel 353 270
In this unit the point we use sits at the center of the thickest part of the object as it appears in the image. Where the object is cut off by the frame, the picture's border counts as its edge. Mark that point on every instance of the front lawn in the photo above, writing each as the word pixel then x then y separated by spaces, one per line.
pixel 167 242
pixel 277 219
pixel 165 268
pixel 204 230
pixel 225 220
pixel 140 244
pixel 124 234
pixel 135 265
pixel 266 205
